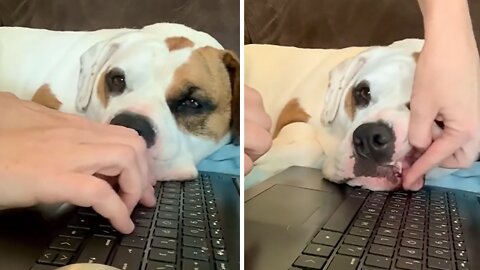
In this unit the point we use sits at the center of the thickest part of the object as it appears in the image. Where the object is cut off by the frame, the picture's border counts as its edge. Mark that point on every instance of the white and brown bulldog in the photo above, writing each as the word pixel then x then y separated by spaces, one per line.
pixel 177 87
pixel 344 111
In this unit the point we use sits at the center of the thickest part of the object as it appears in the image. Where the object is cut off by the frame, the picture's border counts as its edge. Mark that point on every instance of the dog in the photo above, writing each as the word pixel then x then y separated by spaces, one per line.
pixel 177 87
pixel 343 111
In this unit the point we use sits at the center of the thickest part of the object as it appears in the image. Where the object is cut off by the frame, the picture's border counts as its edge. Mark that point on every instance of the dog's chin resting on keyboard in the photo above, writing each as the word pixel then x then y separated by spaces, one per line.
pixel 344 111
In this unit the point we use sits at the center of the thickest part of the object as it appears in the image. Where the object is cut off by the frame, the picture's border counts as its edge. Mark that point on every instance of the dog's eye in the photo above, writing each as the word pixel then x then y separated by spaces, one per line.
pixel 115 80
pixel 190 103
pixel 361 94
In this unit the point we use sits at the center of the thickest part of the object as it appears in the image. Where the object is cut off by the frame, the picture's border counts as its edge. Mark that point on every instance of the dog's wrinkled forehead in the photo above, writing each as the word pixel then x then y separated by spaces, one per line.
pixel 380 76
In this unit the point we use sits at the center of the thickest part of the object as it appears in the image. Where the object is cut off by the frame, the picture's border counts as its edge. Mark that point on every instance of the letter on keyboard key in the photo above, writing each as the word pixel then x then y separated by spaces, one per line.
pixel 160 266
pixel 96 250
pixel 128 258
pixel 195 265
pixel 409 264
pixel 343 263
pixel 163 255
pixel 344 214
pixel 195 254
pixel 310 262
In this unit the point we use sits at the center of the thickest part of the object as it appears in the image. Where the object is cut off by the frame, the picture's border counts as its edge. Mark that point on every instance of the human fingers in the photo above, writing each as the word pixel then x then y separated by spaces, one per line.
pixel 247 164
pixel 257 140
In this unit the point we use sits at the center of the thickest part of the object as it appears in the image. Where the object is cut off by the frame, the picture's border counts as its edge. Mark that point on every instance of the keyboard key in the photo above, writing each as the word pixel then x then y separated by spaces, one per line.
pixel 368 216
pixel 461 255
pixel 195 265
pixel 462 265
pixel 220 255
pixel 143 214
pixel 343 262
pixel 318 250
pixel 169 208
pixel 438 235
pixel 214 224
pixel 166 232
pixel 197 242
pixel 412 243
pixel 197 223
pixel 356 240
pixel 388 232
pixel 390 224
pixel 74 233
pixel 384 240
pixel 218 243
pixel 134 241
pixel 381 250
pixel 82 221
pixel 327 238
pixel 96 250
pixel 167 223
pixel 192 207
pixel 194 232
pixel 192 215
pixel 164 243
pixel 63 258
pixel 439 253
pixel 413 226
pixel 439 243
pixel 168 215
pixel 409 264
pixel 47 256
pixel 411 253
pixel 223 266
pixel 141 231
pixel 360 232
pixel 378 261
pixel 163 255
pixel 65 243
pixel 459 246
pixel 151 265
pixel 439 264
pixel 351 250
pixel 195 254
pixel 413 234
pixel 127 258
pixel 170 201
pixel 309 262
pixel 364 224
pixel 142 222
pixel 216 233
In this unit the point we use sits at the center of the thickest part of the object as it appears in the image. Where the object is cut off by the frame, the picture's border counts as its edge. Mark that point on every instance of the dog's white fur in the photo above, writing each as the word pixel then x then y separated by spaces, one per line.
pixel 320 80
pixel 71 64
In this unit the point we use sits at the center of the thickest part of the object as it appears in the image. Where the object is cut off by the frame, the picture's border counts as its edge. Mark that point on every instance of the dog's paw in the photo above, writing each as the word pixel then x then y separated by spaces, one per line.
pixel 177 173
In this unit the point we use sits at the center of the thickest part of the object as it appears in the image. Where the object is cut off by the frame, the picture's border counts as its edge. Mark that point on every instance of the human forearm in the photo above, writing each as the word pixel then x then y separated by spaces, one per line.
pixel 447 19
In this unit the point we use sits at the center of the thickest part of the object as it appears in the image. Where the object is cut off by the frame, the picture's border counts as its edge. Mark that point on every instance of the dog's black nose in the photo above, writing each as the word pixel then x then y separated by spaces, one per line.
pixel 137 122
pixel 374 141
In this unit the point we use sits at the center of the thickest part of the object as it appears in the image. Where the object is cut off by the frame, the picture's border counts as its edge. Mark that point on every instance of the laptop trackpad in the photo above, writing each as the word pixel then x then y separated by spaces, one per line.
pixel 289 206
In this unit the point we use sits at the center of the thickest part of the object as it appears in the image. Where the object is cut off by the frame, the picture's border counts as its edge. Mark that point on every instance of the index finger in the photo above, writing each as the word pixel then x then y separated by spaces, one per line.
pixel 438 151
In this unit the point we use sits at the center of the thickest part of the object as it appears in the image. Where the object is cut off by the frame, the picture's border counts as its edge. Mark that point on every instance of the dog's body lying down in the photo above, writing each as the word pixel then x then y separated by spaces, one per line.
pixel 176 86
pixel 344 111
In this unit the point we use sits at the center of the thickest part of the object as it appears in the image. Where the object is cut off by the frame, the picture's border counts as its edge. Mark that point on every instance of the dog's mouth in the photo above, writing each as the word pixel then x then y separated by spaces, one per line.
pixel 393 172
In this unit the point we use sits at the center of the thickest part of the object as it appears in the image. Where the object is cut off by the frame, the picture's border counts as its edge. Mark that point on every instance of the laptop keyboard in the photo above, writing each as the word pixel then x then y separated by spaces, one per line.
pixel 182 232
pixel 380 230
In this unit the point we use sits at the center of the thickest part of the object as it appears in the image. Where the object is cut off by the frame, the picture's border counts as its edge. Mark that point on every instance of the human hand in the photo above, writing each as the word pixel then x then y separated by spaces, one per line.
pixel 447 89
pixel 51 157
pixel 258 139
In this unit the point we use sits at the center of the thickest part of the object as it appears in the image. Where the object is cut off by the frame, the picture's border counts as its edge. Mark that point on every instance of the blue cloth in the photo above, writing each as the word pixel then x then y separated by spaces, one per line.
pixel 465 179
pixel 224 160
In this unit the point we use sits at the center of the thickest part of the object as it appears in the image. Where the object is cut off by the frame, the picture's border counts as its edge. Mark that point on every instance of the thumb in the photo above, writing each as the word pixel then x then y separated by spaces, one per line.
pixel 422 116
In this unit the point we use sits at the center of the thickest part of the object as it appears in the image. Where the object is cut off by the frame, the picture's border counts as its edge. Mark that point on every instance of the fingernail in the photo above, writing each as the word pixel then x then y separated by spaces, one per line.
pixel 131 226
pixel 417 185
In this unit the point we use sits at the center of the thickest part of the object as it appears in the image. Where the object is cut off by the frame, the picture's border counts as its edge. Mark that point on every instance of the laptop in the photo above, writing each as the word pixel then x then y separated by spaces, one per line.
pixel 195 225
pixel 297 220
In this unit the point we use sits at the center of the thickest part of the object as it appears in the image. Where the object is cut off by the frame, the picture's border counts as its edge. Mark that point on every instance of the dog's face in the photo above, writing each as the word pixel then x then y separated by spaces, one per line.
pixel 181 96
pixel 367 104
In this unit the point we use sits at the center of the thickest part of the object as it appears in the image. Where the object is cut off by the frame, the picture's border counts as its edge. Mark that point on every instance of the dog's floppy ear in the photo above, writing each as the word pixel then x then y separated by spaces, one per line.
pixel 232 64
pixel 91 62
pixel 340 80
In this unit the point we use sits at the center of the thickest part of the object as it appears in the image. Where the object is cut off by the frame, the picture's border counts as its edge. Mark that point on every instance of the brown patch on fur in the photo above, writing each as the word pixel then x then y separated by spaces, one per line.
pixel 177 43
pixel 291 113
pixel 415 56
pixel 215 75
pixel 349 105
pixel 45 97
pixel 102 90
